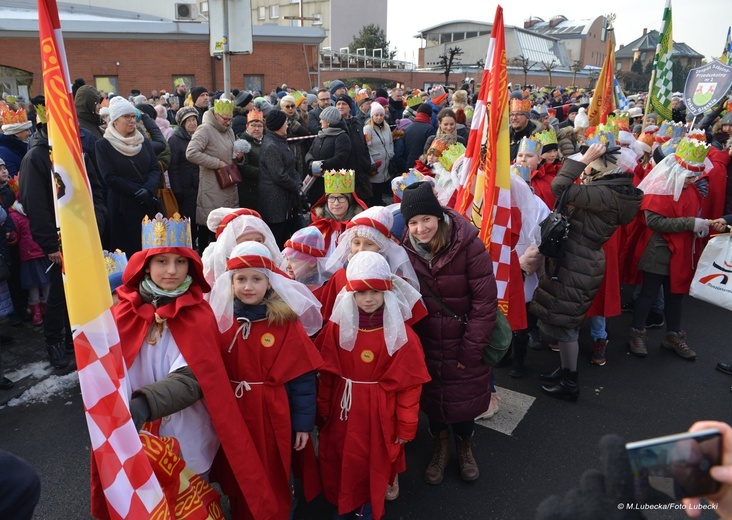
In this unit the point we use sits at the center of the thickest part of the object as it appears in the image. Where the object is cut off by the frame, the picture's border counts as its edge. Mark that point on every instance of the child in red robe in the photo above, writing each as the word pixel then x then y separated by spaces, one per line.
pixel 369 388
pixel 271 363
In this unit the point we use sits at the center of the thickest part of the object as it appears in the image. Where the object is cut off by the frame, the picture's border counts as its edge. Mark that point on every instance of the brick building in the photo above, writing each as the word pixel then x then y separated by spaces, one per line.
pixel 119 51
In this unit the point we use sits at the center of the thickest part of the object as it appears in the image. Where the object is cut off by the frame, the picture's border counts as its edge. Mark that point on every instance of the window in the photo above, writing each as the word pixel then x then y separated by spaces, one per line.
pixel 643 56
pixel 106 83
pixel 254 82
pixel 319 20
pixel 274 11
pixel 261 13
pixel 471 34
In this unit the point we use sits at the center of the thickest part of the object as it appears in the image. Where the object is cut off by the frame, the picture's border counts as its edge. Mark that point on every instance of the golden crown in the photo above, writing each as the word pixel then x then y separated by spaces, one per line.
pixel 255 115
pixel 41 114
pixel 14 117
pixel 530 145
pixel 622 122
pixel 166 232
pixel 520 105
pixel 547 137
pixel 340 181
pixel 223 107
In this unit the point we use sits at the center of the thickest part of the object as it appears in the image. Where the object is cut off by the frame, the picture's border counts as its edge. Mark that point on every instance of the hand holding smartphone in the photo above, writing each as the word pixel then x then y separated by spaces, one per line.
pixel 668 469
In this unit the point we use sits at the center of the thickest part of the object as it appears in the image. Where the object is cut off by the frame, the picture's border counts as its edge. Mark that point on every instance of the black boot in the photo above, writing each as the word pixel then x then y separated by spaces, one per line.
pixel 552 377
pixel 566 388
pixel 57 354
pixel 520 345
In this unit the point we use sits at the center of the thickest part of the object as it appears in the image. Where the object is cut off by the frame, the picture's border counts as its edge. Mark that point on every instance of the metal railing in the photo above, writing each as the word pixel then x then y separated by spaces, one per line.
pixel 343 60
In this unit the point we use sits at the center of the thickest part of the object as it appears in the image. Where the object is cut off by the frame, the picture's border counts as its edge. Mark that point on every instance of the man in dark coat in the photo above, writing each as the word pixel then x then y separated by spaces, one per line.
pixel 331 149
pixel 396 104
pixel 324 101
pixel 519 119
pixel 279 182
pixel 87 109
pixel 415 136
pixel 359 159
pixel 36 195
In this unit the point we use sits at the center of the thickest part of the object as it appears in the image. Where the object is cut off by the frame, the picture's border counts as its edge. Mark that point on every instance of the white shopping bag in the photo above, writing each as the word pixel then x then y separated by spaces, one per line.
pixel 713 277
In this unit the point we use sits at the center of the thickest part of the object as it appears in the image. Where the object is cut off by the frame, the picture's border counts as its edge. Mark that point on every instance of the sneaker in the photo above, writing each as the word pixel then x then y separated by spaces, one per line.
pixel 492 408
pixel 598 353
pixel 676 341
pixel 392 492
pixel 554 346
pixel 627 306
pixel 637 342
pixel 655 320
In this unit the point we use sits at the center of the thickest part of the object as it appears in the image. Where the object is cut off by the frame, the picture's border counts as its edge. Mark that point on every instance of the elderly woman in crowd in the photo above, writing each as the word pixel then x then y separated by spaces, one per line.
pixel 566 290
pixel 253 134
pixel 182 173
pixel 129 166
pixel 296 127
pixel 329 151
pixel 211 148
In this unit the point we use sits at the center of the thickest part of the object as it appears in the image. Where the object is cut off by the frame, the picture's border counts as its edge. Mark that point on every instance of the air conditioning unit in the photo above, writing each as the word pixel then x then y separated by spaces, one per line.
pixel 186 12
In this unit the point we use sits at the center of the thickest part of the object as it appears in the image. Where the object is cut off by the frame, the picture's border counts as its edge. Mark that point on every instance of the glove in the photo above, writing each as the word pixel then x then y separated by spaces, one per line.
pixel 143 196
pixel 303 201
pixel 140 411
pixel 378 164
pixel 531 260
pixel 701 227
pixel 599 493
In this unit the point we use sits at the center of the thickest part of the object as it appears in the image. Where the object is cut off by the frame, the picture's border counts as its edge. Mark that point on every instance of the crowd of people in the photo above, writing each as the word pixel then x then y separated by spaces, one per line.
pixel 339 288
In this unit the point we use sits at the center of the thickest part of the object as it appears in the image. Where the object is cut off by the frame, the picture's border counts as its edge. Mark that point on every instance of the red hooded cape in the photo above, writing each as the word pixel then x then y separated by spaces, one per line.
pixel 329 227
pixel 358 455
pixel 680 244
pixel 541 181
pixel 273 355
pixel 187 318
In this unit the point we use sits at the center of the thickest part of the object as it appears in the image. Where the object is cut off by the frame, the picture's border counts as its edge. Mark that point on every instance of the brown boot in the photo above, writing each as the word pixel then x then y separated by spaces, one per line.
pixel 436 470
pixel 468 467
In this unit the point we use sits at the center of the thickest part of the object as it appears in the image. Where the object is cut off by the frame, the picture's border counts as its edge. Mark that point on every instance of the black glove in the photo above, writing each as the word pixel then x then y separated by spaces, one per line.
pixel 140 411
pixel 599 493
pixel 143 196
pixel 303 201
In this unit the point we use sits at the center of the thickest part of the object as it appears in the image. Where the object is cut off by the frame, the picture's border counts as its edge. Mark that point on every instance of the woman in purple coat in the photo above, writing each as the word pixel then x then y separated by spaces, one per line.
pixel 456 280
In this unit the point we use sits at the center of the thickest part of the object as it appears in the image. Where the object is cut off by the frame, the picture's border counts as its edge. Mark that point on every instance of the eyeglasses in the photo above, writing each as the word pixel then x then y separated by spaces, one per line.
pixel 324 99
pixel 288 106
pixel 225 119
pixel 516 114
pixel 337 200
pixel 129 117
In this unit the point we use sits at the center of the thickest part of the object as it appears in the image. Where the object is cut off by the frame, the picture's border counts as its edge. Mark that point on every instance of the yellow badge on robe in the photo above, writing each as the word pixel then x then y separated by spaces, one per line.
pixel 367 356
pixel 267 340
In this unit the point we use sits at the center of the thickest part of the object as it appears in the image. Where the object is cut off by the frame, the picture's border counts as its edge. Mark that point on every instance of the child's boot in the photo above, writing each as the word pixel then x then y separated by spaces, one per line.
pixel 36 316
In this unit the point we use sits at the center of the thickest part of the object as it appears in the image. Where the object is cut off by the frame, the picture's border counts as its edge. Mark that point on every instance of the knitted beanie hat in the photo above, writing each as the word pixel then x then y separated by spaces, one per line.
pixel 275 120
pixel 184 113
pixel 119 107
pixel 419 199
pixel 197 91
pixel 331 115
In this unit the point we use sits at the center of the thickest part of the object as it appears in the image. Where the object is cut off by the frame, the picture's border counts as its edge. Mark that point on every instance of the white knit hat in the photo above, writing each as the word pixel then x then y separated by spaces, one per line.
pixel 376 108
pixel 119 107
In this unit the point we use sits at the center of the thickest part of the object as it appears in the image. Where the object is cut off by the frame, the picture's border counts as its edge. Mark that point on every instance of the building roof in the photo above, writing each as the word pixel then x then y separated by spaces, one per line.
pixel 648 43
pixel 566 29
pixel 483 26
pixel 98 23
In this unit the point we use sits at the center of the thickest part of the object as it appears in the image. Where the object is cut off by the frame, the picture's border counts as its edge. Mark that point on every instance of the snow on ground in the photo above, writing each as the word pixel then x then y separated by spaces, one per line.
pixel 37 370
pixel 45 390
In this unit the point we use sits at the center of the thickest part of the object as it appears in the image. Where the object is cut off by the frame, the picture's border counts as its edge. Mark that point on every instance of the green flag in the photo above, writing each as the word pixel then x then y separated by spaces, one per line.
pixel 661 86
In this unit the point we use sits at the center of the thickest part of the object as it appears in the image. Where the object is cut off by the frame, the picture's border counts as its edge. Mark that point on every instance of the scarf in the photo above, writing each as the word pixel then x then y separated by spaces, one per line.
pixel 422 118
pixel 330 131
pixel 250 312
pixel 371 321
pixel 129 146
pixel 159 296
pixel 448 139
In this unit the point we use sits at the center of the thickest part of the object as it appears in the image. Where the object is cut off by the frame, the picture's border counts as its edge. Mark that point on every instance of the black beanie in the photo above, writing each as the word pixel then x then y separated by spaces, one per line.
pixel 242 99
pixel 425 108
pixel 419 199
pixel 381 92
pixel 196 92
pixel 275 120
pixel 147 108
pixel 346 98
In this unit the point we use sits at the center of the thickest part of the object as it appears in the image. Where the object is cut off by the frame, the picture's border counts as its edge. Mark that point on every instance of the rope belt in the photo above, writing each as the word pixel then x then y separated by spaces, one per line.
pixel 242 386
pixel 244 328
pixel 347 398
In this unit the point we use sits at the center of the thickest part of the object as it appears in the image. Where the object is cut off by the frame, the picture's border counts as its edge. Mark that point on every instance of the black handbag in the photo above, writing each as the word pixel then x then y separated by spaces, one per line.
pixel 554 232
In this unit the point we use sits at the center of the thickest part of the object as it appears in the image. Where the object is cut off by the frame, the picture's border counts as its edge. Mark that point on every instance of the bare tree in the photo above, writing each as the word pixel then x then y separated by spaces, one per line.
pixel 549 67
pixel 449 60
pixel 576 67
pixel 525 63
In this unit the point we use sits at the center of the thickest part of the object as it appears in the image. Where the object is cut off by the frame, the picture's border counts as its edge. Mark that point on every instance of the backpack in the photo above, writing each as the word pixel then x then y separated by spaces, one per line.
pixel 554 232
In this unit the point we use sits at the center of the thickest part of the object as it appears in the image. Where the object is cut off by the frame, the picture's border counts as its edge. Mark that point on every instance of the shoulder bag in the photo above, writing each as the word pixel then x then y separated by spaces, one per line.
pixel 554 232
pixel 228 176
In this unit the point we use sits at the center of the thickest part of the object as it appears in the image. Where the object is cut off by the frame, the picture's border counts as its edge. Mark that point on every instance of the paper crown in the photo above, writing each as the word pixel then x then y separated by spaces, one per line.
pixel 530 145
pixel 14 117
pixel 728 106
pixel 605 135
pixel 340 181
pixel 670 146
pixel 361 97
pixel 622 122
pixel 166 232
pixel 692 152
pixel 522 171
pixel 451 155
pixel 414 101
pixel 547 137
pixel 178 82
pixel 646 141
pixel 520 105
pixel 437 148
pixel 299 97
pixel 405 180
pixel 115 261
pixel 697 134
pixel 223 107
pixel 41 114
pixel 669 130
pixel 352 93
pixel 255 115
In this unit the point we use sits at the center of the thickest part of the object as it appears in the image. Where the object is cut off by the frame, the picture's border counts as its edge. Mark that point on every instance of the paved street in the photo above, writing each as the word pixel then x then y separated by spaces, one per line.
pixel 534 447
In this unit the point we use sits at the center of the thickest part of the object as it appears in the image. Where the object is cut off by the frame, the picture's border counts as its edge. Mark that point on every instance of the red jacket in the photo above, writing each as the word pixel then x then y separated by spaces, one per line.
pixel 27 248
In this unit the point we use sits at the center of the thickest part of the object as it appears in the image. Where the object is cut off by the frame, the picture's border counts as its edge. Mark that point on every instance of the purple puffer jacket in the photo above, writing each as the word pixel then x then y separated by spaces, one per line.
pixel 461 275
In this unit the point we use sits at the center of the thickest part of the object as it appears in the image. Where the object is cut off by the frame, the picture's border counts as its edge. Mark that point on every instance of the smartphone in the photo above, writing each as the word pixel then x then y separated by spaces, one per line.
pixel 667 469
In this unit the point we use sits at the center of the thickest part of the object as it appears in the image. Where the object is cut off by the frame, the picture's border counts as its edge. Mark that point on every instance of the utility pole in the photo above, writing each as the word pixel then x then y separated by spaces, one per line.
pixel 302 18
